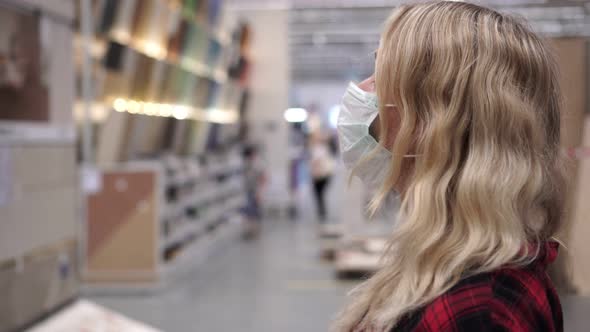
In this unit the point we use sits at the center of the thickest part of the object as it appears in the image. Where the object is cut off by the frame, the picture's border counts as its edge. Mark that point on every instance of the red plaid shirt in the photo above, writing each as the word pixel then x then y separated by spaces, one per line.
pixel 509 299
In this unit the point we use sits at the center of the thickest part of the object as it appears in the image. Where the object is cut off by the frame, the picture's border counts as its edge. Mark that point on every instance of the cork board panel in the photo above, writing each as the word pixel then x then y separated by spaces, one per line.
pixel 122 224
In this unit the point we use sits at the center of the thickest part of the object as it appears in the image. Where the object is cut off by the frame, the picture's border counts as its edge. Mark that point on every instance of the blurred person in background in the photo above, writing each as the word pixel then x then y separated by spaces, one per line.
pixel 468 108
pixel 255 179
pixel 321 168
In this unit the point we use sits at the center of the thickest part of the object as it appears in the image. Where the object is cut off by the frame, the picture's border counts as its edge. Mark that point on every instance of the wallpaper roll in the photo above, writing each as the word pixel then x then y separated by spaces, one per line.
pixel 107 19
pixel 141 19
pixel 142 79
pixel 201 12
pixel 186 140
pixel 112 139
pixel 213 95
pixel 190 7
pixel 173 88
pixel 179 135
pixel 156 85
pixel 196 44
pixel 122 26
pixel 114 86
pixel 201 93
pixel 165 92
pixel 188 88
pixel 214 53
pixel 151 139
pixel 172 24
pixel 177 39
pixel 168 136
pixel 214 10
pixel 192 146
pixel 97 10
pixel 213 137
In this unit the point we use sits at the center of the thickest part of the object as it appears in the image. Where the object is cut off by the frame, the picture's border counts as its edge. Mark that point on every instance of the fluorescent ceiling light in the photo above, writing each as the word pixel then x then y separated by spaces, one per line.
pixel 334 112
pixel 181 112
pixel 295 115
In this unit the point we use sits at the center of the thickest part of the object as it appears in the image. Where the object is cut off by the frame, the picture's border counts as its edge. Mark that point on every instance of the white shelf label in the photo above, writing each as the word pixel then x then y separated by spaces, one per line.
pixel 91 180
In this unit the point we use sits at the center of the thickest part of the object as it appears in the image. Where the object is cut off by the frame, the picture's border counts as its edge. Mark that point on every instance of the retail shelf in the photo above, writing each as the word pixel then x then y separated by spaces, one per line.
pixel 21 132
pixel 181 233
pixel 218 34
pixel 194 67
pixel 197 252
pixel 201 203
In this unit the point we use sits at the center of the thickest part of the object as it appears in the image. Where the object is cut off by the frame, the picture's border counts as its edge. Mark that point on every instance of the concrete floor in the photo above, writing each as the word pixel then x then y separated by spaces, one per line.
pixel 276 283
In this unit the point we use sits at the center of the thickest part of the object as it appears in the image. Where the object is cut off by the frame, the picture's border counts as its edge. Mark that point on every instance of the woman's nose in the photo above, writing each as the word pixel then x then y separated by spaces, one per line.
pixel 368 84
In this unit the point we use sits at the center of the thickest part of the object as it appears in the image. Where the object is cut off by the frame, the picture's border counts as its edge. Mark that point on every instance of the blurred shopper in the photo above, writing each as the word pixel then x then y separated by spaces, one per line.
pixel 254 181
pixel 469 113
pixel 321 167
pixel 297 159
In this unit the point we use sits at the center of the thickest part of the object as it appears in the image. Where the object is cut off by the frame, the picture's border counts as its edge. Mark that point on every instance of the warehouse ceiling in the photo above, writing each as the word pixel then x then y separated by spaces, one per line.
pixel 334 39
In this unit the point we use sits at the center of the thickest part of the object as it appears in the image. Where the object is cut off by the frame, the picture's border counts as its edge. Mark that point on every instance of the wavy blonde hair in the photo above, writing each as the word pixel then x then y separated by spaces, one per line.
pixel 479 105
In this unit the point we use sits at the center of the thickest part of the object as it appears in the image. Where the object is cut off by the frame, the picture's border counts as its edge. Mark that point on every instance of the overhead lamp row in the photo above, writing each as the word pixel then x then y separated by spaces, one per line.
pixel 180 112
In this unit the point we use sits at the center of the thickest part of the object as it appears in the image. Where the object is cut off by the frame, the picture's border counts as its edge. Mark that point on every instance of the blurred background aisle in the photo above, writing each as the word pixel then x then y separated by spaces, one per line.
pixel 175 163
pixel 250 286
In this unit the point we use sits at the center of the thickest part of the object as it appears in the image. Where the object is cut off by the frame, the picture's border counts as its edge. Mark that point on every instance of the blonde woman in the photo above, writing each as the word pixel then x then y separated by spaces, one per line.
pixel 468 111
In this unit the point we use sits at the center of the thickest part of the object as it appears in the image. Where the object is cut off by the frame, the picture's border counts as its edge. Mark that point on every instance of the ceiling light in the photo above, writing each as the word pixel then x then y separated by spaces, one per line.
pixel 133 107
pixel 165 110
pixel 120 105
pixel 181 112
pixel 295 115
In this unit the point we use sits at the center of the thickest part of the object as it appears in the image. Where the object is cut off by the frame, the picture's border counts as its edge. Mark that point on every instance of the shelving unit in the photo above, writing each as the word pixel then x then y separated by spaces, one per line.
pixel 148 214
pixel 165 73
pixel 169 87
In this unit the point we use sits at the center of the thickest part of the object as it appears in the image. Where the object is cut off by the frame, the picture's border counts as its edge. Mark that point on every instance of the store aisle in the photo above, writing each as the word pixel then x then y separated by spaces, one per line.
pixel 275 283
